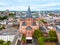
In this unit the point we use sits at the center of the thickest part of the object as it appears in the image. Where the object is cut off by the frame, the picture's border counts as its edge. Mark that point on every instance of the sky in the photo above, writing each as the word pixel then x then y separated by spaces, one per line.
pixel 35 5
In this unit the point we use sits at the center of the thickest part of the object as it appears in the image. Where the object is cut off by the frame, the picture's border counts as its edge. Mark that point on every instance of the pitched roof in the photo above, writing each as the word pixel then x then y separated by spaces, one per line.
pixel 28 28
pixel 29 15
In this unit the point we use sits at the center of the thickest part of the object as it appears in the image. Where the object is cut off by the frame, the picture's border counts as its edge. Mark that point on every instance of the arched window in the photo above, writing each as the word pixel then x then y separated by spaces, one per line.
pixel 28 28
pixel 34 24
pixel 24 24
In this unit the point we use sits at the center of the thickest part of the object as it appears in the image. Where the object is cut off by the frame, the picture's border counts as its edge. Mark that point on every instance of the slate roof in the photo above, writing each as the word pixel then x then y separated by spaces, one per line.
pixel 29 15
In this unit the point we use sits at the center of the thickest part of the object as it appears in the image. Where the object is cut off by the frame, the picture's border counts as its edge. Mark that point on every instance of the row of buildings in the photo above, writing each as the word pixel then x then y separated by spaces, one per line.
pixel 27 23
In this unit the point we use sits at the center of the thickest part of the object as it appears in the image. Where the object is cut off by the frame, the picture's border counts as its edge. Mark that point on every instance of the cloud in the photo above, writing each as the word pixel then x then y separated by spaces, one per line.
pixel 13 8
pixel 34 4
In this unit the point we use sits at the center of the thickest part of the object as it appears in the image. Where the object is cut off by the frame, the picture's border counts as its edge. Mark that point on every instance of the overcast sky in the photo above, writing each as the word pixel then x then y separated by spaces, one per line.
pixel 22 5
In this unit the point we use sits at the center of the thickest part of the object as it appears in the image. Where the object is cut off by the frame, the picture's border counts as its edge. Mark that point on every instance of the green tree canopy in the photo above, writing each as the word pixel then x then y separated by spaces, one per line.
pixel 8 43
pixel 2 18
pixel 1 41
pixel 2 27
pixel 38 33
pixel 52 33
pixel 23 38
pixel 51 14
pixel 11 15
pixel 41 41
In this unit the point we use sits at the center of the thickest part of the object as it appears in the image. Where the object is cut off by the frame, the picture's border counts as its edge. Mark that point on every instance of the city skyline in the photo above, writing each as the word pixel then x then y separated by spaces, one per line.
pixel 36 5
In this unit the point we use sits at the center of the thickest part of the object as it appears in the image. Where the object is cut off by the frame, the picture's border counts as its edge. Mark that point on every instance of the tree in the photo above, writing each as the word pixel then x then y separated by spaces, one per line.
pixel 52 33
pixel 51 14
pixel 38 33
pixel 50 39
pixel 23 38
pixel 8 43
pixel 4 17
pixel 11 15
pixel 2 27
pixel 1 42
pixel 41 41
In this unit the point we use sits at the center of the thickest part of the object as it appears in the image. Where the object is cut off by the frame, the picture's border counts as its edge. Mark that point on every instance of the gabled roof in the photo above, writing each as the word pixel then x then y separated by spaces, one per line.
pixel 28 28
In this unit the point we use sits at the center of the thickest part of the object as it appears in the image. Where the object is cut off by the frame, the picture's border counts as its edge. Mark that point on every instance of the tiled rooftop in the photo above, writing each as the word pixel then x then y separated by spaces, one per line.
pixel 9 31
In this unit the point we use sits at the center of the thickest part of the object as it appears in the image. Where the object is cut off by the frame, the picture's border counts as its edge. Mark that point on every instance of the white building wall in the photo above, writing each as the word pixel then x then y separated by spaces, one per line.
pixel 7 37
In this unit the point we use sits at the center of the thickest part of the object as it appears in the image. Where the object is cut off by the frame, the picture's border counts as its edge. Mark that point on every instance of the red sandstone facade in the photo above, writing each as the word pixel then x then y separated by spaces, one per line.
pixel 29 22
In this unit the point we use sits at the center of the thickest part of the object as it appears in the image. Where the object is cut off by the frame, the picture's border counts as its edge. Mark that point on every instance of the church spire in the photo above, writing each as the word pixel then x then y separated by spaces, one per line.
pixel 29 13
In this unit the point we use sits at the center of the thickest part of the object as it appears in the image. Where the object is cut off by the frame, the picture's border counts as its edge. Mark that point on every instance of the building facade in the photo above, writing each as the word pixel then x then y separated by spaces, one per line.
pixel 28 25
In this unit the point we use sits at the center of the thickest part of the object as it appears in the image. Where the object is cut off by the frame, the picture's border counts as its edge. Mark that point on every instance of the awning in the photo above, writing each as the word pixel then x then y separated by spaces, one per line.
pixel 28 37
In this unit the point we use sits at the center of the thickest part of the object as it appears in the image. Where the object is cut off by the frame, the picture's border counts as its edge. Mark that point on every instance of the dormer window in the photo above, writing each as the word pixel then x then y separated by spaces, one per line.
pixel 24 24
pixel 34 24
pixel 28 28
